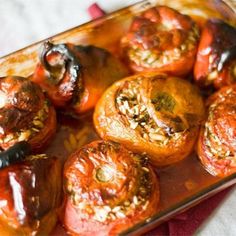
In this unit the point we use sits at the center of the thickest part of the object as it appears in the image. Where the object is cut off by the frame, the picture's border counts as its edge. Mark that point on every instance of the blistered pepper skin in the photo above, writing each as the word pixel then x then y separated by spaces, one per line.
pixel 76 76
pixel 216 57
pixel 30 195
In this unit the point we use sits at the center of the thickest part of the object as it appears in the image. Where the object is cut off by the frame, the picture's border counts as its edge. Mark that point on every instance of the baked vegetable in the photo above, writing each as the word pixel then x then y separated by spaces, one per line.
pixel 30 194
pixel 217 143
pixel 25 114
pixel 156 114
pixel 161 40
pixel 107 189
pixel 216 58
pixel 76 76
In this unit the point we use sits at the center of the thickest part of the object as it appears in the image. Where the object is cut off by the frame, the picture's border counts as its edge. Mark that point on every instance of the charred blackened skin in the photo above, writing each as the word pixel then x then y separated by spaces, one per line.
pixel 71 64
pixel 68 72
pixel 162 40
pixel 226 57
pixel 14 154
pixel 216 57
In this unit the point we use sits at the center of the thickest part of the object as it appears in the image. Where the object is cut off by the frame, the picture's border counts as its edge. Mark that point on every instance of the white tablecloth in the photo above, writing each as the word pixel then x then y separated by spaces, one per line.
pixel 26 21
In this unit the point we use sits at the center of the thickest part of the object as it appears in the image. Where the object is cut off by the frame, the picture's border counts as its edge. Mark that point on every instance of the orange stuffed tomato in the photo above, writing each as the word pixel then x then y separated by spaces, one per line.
pixel 25 114
pixel 30 195
pixel 156 114
pixel 107 189
pixel 216 58
pixel 161 40
pixel 76 76
pixel 217 143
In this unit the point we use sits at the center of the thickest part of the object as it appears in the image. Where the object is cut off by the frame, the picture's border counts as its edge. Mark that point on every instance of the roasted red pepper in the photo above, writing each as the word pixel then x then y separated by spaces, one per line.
pixel 216 58
pixel 217 143
pixel 30 195
pixel 76 76
pixel 161 40
pixel 156 114
pixel 25 114
pixel 107 189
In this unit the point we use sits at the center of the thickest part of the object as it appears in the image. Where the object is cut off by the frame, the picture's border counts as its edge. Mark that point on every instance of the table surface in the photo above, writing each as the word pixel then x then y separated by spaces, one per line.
pixel 25 21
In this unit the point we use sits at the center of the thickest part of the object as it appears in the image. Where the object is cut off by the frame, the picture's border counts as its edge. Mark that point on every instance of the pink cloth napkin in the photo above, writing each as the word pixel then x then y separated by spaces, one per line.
pixel 95 11
pixel 188 222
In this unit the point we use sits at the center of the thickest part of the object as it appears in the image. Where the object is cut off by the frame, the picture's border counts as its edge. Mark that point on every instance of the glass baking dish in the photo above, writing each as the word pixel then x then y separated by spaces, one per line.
pixel 182 185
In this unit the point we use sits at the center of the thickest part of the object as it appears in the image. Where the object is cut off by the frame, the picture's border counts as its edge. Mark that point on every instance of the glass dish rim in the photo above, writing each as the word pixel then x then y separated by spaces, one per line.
pixel 182 205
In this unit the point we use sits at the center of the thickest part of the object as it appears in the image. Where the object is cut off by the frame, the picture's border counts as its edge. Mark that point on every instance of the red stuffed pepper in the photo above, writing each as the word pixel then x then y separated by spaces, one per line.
pixel 216 58
pixel 30 195
pixel 76 76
